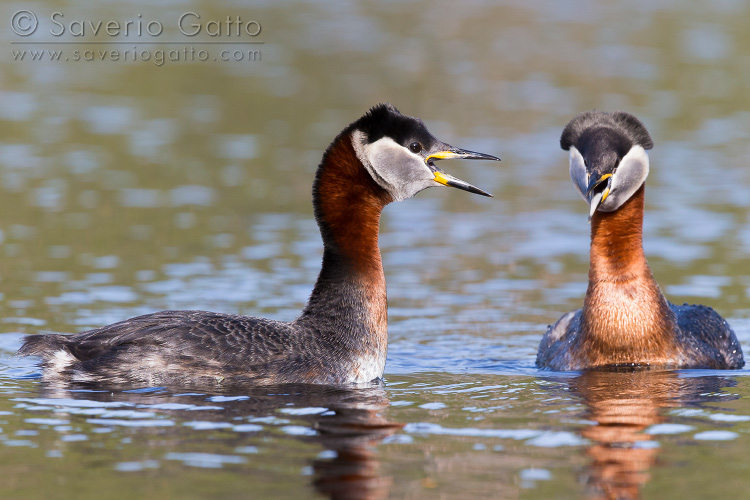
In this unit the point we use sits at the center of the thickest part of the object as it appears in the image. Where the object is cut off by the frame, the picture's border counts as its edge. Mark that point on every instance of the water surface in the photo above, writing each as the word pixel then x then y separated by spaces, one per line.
pixel 130 187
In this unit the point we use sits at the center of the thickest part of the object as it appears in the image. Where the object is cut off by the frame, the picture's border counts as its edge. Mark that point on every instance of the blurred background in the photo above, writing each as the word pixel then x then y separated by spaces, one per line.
pixel 174 182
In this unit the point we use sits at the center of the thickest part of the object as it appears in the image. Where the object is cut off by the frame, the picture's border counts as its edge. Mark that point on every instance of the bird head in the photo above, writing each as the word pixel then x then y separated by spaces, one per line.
pixel 608 160
pixel 400 153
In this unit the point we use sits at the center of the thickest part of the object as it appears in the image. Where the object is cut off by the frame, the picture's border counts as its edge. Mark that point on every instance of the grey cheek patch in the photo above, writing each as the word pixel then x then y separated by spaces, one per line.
pixel 630 175
pixel 578 173
pixel 394 168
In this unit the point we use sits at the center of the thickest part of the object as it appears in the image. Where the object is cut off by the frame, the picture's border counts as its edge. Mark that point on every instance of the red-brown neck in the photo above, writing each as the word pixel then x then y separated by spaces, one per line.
pixel 617 241
pixel 348 204
pixel 626 318
pixel 348 304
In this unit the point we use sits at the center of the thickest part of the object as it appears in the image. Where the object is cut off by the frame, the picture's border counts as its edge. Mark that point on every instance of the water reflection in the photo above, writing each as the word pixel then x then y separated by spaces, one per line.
pixel 354 472
pixel 347 423
pixel 623 405
pixel 130 188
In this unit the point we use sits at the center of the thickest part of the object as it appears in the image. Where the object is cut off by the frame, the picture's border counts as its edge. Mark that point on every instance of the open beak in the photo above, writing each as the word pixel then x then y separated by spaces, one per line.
pixel 459 154
pixel 599 196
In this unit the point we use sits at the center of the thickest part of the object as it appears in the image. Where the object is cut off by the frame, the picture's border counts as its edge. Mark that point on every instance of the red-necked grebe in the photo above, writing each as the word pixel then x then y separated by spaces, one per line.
pixel 625 319
pixel 341 335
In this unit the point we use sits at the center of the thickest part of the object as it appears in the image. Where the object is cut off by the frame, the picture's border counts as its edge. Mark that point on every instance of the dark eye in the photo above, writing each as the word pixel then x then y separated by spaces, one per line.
pixel 415 147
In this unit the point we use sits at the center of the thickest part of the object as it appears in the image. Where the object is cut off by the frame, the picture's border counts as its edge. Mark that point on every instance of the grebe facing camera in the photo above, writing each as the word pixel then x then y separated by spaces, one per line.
pixel 625 319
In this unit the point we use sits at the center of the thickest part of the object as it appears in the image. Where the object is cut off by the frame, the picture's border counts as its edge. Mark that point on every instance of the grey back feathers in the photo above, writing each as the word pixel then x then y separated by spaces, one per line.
pixel 340 337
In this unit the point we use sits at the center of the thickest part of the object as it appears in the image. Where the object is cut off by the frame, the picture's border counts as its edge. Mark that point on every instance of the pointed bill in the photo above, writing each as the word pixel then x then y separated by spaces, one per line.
pixel 449 180
pixel 594 182
pixel 456 154
pixel 459 154
pixel 595 204
pixel 598 198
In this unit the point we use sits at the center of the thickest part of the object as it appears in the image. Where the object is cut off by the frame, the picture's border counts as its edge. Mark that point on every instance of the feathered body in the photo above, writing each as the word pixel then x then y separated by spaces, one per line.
pixel 625 318
pixel 341 337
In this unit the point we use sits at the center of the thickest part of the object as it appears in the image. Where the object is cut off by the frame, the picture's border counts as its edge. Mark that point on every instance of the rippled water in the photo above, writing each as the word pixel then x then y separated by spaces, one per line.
pixel 129 187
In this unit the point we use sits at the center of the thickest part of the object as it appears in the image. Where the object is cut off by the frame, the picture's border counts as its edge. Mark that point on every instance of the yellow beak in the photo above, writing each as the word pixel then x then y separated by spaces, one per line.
pixel 447 179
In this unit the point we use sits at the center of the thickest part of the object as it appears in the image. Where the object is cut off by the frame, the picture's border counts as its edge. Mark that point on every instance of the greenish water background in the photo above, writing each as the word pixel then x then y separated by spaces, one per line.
pixel 129 187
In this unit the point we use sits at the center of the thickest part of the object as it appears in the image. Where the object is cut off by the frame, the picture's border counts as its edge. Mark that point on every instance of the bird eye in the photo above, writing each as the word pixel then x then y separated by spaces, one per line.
pixel 415 147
